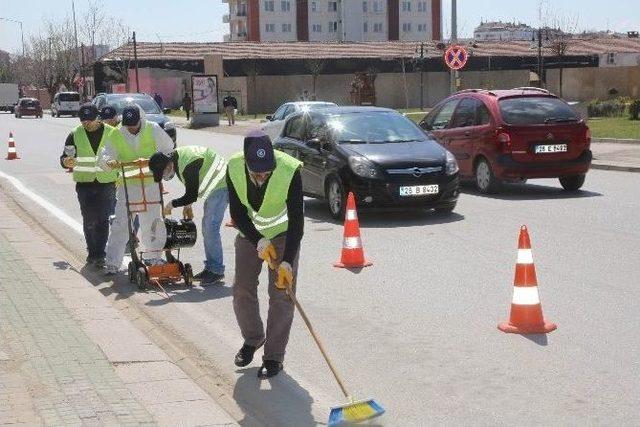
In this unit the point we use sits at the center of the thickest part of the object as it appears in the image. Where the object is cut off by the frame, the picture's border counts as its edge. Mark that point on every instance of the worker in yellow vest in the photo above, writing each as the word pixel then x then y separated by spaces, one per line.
pixel 95 188
pixel 266 204
pixel 134 139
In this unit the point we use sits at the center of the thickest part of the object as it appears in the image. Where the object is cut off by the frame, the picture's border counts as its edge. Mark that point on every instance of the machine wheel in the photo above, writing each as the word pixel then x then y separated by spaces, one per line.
pixel 572 183
pixel 141 279
pixel 336 197
pixel 188 275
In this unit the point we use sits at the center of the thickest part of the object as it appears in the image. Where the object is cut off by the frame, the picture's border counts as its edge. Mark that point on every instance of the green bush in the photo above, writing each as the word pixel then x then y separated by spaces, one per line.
pixel 634 109
pixel 608 108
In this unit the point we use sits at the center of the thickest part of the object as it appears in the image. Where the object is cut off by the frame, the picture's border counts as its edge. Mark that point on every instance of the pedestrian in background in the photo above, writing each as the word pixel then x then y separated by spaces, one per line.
pixel 158 99
pixel 95 188
pixel 266 204
pixel 186 104
pixel 202 171
pixel 230 103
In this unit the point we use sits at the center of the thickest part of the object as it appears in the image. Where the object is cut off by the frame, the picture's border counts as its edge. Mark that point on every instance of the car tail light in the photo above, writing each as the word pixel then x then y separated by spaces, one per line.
pixel 587 136
pixel 503 141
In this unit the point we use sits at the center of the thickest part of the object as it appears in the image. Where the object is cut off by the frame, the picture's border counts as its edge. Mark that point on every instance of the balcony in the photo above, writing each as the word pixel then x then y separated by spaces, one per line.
pixel 225 18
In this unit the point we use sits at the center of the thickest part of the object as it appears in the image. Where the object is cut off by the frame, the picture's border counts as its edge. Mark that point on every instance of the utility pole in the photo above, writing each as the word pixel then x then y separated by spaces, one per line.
pixel 75 30
pixel 21 31
pixel 453 74
pixel 540 57
pixel 135 59
pixel 421 76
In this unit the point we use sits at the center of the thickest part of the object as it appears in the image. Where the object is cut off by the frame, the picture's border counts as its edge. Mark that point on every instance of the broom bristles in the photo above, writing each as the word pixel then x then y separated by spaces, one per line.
pixel 354 412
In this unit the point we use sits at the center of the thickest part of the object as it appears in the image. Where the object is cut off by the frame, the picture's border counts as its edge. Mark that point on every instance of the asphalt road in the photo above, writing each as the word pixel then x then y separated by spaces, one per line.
pixel 417 331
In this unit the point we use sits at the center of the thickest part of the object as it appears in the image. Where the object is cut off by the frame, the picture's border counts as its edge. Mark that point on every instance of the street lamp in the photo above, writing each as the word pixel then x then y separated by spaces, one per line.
pixel 21 32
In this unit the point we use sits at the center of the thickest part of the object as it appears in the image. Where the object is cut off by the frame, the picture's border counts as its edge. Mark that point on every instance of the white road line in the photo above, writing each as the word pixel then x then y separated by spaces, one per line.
pixel 50 207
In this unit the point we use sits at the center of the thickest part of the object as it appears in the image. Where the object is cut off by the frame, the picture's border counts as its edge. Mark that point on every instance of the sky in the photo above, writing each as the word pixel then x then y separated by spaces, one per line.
pixel 201 20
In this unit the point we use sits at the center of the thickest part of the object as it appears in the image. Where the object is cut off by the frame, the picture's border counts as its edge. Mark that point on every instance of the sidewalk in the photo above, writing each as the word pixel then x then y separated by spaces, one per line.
pixel 68 357
pixel 242 127
pixel 616 156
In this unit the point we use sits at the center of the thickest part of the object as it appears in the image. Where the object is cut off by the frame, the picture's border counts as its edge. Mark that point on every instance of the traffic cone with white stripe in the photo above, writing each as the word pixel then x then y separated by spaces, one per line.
pixel 352 252
pixel 11 152
pixel 526 310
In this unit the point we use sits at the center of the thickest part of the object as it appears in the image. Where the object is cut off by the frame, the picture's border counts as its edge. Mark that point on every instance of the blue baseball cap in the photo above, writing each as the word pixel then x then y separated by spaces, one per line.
pixel 108 112
pixel 130 115
pixel 88 112
pixel 258 152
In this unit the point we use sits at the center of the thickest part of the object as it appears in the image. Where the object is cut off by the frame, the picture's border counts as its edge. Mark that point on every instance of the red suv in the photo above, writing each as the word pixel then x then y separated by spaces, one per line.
pixel 27 107
pixel 512 135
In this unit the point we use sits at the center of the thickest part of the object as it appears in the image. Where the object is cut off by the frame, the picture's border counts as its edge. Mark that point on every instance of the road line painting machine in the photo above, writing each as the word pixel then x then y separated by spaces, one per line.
pixel 175 234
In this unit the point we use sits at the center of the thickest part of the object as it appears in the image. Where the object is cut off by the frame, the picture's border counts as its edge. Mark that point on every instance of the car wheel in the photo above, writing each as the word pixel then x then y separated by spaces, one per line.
pixel 485 181
pixel 572 183
pixel 336 197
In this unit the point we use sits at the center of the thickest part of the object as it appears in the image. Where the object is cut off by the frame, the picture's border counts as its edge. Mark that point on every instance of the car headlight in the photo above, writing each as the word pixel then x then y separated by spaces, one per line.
pixel 363 167
pixel 169 125
pixel 452 165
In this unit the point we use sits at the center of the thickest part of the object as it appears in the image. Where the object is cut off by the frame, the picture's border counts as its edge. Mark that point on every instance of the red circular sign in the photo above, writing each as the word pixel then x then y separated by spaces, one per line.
pixel 456 57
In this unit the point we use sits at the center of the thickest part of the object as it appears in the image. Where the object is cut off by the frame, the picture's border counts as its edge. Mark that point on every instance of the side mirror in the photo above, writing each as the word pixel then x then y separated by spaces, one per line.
pixel 314 143
pixel 166 110
pixel 269 118
pixel 424 125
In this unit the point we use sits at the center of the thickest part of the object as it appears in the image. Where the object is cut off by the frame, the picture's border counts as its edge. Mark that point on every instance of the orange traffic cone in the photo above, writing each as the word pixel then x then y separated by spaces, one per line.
pixel 11 152
pixel 352 252
pixel 526 310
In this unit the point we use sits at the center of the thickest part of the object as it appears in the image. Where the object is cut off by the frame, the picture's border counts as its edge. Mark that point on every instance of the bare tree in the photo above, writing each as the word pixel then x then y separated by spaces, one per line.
pixel 315 67
pixel 559 33
pixel 94 23
pixel 119 60
pixel 251 68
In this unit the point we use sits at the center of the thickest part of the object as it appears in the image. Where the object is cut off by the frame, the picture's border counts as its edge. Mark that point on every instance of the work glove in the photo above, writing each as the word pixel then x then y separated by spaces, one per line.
pixel 166 211
pixel 285 276
pixel 69 162
pixel 267 252
pixel 113 164
pixel 187 212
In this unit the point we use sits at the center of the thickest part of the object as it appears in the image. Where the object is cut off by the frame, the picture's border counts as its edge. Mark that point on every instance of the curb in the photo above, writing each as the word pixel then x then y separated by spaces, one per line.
pixel 619 168
pixel 615 141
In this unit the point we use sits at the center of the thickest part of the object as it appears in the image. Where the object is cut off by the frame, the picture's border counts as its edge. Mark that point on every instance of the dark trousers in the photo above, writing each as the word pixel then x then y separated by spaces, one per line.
pixel 186 110
pixel 97 204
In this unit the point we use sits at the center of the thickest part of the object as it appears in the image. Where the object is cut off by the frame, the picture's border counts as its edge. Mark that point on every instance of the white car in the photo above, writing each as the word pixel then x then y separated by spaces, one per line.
pixel 275 123
pixel 65 103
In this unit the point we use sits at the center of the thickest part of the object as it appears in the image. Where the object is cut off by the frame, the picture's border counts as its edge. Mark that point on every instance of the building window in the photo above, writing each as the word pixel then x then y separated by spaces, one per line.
pixel 269 5
pixel 377 27
pixel 286 28
pixel 422 6
pixel 317 28
pixel 365 27
pixel 377 6
pixel 333 26
pixel 314 6
pixel 406 6
pixel 333 6
pixel 422 28
pixel 611 58
pixel 270 28
pixel 285 6
pixel 365 6
pixel 406 27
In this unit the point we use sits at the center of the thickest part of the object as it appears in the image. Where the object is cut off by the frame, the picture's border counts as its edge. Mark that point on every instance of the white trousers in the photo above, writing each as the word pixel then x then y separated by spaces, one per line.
pixel 150 220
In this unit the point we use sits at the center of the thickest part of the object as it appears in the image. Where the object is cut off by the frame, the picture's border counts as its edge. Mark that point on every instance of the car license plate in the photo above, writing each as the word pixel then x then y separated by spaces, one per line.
pixel 554 148
pixel 419 190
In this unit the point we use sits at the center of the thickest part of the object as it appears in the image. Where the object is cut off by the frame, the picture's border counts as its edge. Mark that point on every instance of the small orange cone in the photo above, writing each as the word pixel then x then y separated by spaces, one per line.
pixel 526 310
pixel 11 152
pixel 352 252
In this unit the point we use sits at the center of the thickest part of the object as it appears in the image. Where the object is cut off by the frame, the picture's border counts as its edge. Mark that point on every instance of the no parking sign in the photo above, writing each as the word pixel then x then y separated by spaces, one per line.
pixel 456 57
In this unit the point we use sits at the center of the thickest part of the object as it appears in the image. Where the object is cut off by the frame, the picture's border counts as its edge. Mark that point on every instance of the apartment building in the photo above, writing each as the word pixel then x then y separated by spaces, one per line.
pixel 333 20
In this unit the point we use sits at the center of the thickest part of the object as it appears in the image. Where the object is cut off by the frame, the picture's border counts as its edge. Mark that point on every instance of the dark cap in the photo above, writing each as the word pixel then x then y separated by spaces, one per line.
pixel 258 152
pixel 108 112
pixel 88 112
pixel 130 115
pixel 157 163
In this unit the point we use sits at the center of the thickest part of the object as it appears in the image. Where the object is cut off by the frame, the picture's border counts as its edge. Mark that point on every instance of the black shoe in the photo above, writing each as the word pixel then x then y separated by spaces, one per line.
pixel 99 262
pixel 206 276
pixel 269 368
pixel 245 354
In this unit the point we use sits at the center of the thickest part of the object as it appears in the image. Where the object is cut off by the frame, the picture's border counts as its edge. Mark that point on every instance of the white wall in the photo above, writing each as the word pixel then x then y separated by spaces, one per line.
pixel 278 17
pixel 321 16
pixel 372 17
pixel 415 18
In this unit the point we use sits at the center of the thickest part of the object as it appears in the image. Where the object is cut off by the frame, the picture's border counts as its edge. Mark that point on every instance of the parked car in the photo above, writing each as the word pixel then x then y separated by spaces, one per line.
pixel 9 94
pixel 512 135
pixel 65 103
pixel 27 107
pixel 381 156
pixel 146 102
pixel 275 123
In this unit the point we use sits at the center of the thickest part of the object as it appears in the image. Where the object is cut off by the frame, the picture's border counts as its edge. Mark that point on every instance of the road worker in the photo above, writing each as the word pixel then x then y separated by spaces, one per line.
pixel 202 171
pixel 137 138
pixel 266 204
pixel 95 188
pixel 109 115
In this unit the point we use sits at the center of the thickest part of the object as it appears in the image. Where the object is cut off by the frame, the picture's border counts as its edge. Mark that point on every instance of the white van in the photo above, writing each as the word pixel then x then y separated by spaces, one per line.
pixel 65 103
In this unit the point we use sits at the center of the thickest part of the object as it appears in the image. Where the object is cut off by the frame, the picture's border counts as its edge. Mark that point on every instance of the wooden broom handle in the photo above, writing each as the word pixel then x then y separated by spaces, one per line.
pixel 318 342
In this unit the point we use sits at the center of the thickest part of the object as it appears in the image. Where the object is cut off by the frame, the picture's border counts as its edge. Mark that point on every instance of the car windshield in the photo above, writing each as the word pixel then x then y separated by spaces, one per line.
pixel 536 110
pixel 29 102
pixel 69 97
pixel 147 104
pixel 373 127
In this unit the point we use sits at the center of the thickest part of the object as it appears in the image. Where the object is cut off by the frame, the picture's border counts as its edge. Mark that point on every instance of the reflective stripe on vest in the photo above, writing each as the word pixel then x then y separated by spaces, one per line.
pixel 272 218
pixel 212 171
pixel 86 169
pixel 214 175
pixel 126 154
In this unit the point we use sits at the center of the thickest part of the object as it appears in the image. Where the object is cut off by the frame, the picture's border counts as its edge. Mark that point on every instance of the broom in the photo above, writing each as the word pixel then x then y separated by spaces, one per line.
pixel 353 411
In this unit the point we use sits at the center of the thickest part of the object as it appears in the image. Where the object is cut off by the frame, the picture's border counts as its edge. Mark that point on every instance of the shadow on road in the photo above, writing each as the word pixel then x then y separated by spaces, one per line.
pixel 278 401
pixel 540 339
pixel 193 294
pixel 318 212
pixel 518 192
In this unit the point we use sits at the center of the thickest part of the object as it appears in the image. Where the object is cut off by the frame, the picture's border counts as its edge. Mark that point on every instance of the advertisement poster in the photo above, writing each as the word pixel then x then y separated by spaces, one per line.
pixel 205 93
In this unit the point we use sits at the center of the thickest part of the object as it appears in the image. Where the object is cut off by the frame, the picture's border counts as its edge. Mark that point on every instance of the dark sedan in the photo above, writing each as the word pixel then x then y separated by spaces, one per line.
pixel 377 153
